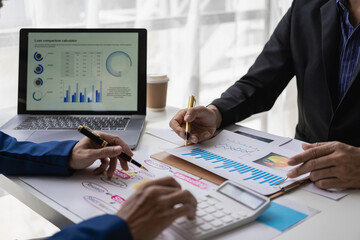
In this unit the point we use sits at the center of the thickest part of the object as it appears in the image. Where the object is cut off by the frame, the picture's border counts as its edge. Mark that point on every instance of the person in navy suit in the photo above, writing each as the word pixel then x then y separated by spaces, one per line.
pixel 318 42
pixel 143 216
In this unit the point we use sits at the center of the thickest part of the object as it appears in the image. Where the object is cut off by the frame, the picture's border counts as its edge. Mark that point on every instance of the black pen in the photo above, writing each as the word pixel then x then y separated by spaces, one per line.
pixel 97 139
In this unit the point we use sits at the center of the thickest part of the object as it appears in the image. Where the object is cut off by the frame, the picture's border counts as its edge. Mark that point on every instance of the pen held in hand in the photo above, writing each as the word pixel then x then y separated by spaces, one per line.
pixel 97 139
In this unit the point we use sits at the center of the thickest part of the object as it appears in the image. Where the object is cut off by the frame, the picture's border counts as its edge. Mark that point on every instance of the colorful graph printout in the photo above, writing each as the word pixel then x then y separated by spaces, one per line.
pixel 274 160
pixel 255 164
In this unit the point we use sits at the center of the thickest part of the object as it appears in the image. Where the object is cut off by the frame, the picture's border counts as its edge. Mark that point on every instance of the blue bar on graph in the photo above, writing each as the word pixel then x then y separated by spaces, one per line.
pixel 248 170
pixel 77 96
pixel 225 161
pixel 261 176
pixel 230 163
pixel 254 175
pixel 269 179
pixel 218 160
pixel 209 157
pixel 77 93
pixel 280 180
pixel 275 180
pixel 67 97
pixel 100 91
pixel 242 170
pixel 238 167
pixel 206 154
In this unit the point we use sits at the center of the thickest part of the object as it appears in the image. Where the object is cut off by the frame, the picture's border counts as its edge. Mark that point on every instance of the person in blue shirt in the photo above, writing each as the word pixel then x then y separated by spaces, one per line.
pixel 143 216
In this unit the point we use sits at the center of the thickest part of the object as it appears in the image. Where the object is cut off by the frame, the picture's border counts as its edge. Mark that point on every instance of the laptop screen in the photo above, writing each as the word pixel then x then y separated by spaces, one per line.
pixel 82 71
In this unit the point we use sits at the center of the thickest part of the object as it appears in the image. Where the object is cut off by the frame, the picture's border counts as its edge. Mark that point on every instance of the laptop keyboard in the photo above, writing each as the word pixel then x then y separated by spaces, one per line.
pixel 68 122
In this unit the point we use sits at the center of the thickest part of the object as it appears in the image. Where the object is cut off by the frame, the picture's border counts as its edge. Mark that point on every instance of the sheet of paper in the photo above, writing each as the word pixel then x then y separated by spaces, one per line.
pixel 166 134
pixel 335 195
pixel 252 163
pixel 93 195
pixel 169 135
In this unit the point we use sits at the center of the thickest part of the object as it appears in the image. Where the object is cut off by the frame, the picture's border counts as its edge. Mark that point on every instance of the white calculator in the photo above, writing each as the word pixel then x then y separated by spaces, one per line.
pixel 230 206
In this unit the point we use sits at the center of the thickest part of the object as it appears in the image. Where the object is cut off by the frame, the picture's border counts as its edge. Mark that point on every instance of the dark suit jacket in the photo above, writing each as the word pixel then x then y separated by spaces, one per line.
pixel 305 44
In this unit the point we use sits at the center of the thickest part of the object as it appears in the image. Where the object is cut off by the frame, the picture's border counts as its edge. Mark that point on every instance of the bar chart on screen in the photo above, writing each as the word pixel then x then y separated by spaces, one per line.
pixel 77 95
pixel 257 165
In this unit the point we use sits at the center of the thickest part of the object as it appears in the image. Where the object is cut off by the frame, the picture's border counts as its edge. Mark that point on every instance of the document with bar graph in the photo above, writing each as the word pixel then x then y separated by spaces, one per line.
pixel 255 164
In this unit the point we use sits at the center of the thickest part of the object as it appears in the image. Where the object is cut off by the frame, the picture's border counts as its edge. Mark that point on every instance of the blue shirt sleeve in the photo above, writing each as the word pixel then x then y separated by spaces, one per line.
pixel 27 158
pixel 105 227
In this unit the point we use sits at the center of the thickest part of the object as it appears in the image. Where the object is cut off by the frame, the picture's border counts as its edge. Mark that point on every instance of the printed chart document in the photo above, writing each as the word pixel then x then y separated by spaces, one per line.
pixel 249 162
pixel 92 195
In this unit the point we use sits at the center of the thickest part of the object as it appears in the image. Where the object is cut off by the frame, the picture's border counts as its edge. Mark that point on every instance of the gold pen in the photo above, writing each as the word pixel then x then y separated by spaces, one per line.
pixel 192 101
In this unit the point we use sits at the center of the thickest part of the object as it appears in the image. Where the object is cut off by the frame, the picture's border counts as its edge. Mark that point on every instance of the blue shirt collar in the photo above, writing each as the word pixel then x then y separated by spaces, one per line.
pixel 342 4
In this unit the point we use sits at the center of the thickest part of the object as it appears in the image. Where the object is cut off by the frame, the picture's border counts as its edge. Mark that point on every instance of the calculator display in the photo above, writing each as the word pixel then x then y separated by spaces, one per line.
pixel 244 197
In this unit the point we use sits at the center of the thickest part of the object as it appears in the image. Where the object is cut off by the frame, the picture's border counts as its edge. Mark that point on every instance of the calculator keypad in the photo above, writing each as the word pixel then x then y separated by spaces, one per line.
pixel 210 215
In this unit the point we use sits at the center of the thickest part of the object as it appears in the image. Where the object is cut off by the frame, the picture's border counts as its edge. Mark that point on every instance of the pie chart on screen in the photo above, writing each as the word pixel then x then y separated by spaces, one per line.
pixel 118 64
pixel 276 161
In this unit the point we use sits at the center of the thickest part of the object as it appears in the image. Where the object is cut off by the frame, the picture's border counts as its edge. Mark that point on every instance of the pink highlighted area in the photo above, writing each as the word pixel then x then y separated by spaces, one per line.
pixel 118 199
pixel 121 174
pixel 193 181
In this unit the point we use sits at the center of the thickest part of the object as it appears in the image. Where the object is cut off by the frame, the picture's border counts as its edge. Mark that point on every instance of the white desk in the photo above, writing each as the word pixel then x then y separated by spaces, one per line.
pixel 337 219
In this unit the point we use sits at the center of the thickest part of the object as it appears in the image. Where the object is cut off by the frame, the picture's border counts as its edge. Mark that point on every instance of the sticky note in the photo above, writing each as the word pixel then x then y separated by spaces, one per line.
pixel 280 217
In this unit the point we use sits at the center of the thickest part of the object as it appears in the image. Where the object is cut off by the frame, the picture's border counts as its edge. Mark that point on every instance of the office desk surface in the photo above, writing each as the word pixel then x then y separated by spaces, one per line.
pixel 337 219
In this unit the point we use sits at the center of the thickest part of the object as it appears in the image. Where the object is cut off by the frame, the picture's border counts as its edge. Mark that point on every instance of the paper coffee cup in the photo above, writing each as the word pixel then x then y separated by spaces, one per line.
pixel 156 91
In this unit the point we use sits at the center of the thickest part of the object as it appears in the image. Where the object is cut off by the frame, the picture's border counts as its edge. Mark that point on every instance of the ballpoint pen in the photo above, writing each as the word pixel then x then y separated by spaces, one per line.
pixel 192 101
pixel 97 139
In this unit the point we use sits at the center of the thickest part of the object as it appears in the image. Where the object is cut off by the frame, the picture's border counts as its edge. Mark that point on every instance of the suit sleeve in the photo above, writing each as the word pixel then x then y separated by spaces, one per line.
pixel 106 227
pixel 266 79
pixel 27 158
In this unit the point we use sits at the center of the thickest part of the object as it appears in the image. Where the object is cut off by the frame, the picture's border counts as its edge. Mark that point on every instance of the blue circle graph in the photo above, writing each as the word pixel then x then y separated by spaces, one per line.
pixel 39 69
pixel 37 95
pixel 118 63
pixel 38 57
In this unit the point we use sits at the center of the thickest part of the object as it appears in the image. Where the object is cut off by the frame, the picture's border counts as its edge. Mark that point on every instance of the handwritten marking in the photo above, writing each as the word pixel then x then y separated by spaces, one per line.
pixel 191 180
pixel 94 187
pixel 100 204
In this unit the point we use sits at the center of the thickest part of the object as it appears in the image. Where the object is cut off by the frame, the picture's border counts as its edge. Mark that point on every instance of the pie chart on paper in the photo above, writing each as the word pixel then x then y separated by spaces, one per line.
pixel 118 64
pixel 276 161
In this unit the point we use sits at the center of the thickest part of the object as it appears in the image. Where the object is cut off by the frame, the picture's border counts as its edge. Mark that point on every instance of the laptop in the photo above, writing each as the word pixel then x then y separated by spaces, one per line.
pixel 72 77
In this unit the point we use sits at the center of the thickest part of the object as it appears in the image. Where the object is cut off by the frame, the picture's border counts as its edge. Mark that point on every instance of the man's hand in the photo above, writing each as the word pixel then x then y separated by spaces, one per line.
pixel 204 121
pixel 154 206
pixel 86 152
pixel 331 165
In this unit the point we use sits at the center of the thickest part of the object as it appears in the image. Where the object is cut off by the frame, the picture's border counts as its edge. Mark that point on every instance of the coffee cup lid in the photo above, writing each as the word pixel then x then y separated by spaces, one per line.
pixel 157 78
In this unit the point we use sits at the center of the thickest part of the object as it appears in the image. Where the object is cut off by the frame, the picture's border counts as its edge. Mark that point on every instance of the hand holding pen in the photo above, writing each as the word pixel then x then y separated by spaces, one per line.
pixel 204 121
pixel 86 152
pixel 96 138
